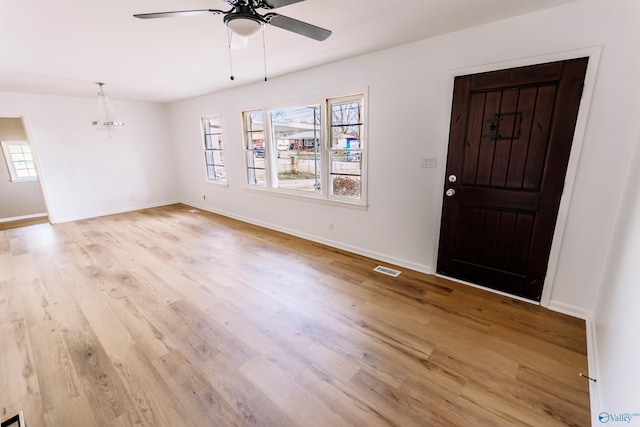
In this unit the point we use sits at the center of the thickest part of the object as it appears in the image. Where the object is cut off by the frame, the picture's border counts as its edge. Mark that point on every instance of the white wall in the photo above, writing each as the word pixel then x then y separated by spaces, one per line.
pixel 86 173
pixel 410 96
pixel 617 317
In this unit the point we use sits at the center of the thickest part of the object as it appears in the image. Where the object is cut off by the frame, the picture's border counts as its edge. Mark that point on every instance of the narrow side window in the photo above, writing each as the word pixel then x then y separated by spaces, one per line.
pixel 346 147
pixel 254 145
pixel 214 149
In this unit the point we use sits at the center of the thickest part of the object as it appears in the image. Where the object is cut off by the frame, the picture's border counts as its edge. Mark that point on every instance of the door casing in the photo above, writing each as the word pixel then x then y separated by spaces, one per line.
pixel 593 53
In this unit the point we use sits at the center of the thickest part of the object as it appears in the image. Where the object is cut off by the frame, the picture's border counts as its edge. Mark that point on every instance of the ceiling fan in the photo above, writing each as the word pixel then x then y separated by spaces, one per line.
pixel 243 20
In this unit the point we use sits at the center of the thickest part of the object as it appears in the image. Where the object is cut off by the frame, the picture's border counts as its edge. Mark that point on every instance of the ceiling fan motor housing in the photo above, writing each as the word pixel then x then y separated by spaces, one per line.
pixel 244 21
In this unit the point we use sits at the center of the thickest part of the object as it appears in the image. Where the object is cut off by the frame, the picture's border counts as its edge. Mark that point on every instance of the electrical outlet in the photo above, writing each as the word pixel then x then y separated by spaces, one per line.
pixel 330 225
pixel 204 197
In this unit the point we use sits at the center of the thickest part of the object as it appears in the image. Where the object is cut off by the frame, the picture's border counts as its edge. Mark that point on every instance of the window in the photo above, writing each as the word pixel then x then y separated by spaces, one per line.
pixel 214 149
pixel 255 148
pixel 19 160
pixel 315 150
pixel 345 147
pixel 296 135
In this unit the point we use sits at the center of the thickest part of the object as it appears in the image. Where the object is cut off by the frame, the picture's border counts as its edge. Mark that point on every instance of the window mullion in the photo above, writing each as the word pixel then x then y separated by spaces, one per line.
pixel 271 167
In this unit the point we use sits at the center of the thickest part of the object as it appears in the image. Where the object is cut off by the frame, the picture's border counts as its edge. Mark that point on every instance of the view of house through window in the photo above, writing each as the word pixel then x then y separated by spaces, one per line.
pixel 19 160
pixel 214 149
pixel 296 135
pixel 290 151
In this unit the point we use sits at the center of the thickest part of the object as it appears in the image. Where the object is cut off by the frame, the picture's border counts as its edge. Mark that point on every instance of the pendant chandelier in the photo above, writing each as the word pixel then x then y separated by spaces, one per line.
pixel 106 118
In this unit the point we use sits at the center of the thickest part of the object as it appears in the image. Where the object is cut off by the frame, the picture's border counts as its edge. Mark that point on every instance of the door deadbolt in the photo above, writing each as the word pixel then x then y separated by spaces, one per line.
pixel 453 178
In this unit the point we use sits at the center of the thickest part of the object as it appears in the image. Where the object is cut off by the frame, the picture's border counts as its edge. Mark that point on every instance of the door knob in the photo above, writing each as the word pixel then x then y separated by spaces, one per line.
pixel 450 192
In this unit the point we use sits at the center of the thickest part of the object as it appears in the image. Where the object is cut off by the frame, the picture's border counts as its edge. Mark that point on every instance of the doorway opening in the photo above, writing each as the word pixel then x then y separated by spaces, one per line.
pixel 23 201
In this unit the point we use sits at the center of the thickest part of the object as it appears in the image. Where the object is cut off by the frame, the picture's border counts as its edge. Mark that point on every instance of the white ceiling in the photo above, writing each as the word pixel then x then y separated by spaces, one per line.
pixel 62 47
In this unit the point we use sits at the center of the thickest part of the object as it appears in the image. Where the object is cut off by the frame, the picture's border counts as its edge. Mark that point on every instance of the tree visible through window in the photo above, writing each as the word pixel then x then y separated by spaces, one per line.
pixel 287 149
pixel 345 147
pixel 19 160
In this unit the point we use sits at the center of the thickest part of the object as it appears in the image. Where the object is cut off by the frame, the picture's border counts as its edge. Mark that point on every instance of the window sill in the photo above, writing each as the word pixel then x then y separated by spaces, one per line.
pixel 30 179
pixel 309 198
pixel 217 183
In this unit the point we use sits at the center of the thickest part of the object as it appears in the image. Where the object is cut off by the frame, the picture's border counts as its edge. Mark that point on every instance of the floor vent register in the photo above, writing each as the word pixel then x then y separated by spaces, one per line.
pixel 15 421
pixel 386 270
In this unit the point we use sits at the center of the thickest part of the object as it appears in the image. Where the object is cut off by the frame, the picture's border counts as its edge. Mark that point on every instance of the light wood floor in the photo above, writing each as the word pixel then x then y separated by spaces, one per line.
pixel 164 317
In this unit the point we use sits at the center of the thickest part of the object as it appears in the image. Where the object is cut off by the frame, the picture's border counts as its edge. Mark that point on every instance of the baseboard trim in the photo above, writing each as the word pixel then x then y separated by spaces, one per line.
pixel 594 372
pixel 422 268
pixel 20 218
pixel 570 310
pixel 592 353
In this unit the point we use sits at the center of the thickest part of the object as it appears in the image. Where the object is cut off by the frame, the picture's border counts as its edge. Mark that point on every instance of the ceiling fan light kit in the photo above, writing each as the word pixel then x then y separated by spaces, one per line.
pixel 244 24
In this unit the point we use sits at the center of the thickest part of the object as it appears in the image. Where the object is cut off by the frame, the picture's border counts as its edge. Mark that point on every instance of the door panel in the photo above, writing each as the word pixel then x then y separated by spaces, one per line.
pixel 509 146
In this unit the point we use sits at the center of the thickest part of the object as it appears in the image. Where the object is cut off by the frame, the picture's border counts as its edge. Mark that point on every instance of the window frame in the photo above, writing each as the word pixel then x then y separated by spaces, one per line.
pixel 203 127
pixel 271 171
pixel 13 174
pixel 251 152
pixel 273 160
pixel 363 148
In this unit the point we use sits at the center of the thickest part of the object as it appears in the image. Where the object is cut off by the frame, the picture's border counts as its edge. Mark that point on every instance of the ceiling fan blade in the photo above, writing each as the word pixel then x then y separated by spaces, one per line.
pixel 296 26
pixel 279 3
pixel 178 13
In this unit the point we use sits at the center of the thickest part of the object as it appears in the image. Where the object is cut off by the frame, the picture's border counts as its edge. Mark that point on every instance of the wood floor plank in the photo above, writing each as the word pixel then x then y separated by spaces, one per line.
pixel 4 242
pixel 98 379
pixel 195 393
pixel 144 383
pixel 16 363
pixel 335 394
pixel 6 266
pixel 574 395
pixel 252 404
pixel 385 400
pixel 165 317
pixel 293 398
pixel 62 399
pixel 444 405
pixel 73 412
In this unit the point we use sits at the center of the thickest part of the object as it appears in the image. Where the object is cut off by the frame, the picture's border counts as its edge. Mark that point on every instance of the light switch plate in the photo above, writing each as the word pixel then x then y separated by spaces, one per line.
pixel 428 162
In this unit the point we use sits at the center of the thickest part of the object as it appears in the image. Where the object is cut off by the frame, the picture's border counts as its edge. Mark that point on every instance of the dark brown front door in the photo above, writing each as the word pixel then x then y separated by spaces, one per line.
pixel 509 146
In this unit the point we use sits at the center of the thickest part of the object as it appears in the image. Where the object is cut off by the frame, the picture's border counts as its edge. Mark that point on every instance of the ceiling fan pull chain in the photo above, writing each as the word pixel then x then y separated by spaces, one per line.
pixel 264 53
pixel 229 50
